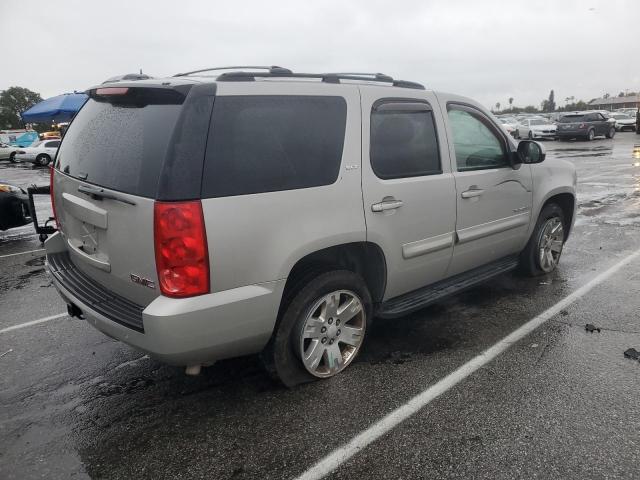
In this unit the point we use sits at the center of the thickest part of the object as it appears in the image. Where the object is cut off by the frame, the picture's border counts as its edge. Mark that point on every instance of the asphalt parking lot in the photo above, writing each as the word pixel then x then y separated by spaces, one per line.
pixel 560 402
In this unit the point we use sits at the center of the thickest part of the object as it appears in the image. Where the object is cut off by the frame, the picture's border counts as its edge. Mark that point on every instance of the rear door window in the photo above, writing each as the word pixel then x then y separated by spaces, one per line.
pixel 404 142
pixel 121 147
pixel 273 142
pixel 52 144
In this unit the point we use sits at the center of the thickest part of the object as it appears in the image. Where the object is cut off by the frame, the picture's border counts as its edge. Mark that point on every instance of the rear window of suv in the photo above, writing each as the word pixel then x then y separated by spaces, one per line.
pixel 571 118
pixel 120 147
pixel 273 142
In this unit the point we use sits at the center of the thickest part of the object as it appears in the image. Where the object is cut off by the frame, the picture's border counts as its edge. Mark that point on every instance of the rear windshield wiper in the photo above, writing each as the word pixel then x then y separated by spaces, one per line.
pixel 99 194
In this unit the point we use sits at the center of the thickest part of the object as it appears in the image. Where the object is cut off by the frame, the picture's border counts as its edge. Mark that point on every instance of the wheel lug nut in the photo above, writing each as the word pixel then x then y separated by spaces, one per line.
pixel 337 322
pixel 323 329
pixel 338 332
pixel 324 340
pixel 331 342
pixel 330 321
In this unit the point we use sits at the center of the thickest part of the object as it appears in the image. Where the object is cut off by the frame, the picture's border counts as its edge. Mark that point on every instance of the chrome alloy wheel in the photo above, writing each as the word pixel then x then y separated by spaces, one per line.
pixel 332 333
pixel 550 244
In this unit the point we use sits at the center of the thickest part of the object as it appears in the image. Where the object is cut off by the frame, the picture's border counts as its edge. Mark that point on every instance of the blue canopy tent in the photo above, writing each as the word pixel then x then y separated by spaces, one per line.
pixel 55 109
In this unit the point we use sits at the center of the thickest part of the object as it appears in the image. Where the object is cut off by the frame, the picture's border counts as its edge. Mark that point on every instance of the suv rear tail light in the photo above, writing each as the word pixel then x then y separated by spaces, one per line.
pixel 182 258
pixel 582 125
pixel 53 200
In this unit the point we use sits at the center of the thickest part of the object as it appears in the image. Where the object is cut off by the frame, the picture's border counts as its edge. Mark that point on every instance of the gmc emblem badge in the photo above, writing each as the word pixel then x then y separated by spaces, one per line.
pixel 142 281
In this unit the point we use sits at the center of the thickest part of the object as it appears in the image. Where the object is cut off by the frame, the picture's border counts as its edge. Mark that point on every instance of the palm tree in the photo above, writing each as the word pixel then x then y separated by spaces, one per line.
pixel 510 103
pixel 497 106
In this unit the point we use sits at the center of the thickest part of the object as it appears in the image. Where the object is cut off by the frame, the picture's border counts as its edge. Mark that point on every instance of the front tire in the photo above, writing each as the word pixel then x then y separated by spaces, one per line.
pixel 517 134
pixel 12 157
pixel 542 253
pixel 591 134
pixel 611 133
pixel 530 135
pixel 320 330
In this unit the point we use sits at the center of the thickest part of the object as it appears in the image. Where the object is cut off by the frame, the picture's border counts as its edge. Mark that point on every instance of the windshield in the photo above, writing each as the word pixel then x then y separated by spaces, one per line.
pixel 621 116
pixel 571 118
pixel 538 122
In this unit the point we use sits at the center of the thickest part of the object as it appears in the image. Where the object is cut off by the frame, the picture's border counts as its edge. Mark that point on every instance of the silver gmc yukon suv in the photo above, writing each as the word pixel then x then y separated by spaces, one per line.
pixel 215 214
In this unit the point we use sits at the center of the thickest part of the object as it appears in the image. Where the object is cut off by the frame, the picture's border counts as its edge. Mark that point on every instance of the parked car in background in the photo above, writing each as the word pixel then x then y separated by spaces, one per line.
pixel 510 124
pixel 395 196
pixel 7 152
pixel 41 153
pixel 14 206
pixel 624 122
pixel 50 135
pixel 585 125
pixel 536 128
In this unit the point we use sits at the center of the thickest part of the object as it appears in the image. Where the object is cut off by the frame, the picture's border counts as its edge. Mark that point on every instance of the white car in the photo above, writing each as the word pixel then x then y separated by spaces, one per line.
pixel 41 153
pixel 510 124
pixel 7 152
pixel 536 128
pixel 623 122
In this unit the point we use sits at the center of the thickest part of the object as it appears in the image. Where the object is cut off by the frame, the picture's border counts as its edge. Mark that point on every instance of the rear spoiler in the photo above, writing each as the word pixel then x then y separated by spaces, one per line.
pixel 45 230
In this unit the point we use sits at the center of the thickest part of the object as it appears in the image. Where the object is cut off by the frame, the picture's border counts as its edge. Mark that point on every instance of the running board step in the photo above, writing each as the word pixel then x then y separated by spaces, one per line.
pixel 425 296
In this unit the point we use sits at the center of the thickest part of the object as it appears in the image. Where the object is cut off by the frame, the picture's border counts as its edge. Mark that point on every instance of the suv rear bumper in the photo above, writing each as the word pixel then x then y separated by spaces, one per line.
pixel 190 331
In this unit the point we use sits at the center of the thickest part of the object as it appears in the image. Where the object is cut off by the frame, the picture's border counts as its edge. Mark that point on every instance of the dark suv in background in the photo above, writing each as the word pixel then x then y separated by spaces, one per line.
pixel 585 125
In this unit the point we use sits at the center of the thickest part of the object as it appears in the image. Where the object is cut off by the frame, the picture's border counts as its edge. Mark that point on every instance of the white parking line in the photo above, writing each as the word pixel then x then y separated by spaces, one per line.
pixel 22 253
pixel 33 322
pixel 397 416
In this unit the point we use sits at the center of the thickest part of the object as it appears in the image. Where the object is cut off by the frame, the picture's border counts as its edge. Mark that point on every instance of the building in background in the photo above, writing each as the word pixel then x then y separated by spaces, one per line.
pixel 614 103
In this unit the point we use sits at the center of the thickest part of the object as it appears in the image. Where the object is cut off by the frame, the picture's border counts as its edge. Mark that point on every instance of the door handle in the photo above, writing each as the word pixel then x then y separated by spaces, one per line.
pixel 386 205
pixel 472 192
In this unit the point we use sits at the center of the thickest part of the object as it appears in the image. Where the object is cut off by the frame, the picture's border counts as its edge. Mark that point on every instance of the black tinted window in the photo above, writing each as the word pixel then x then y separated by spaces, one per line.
pixel 404 144
pixel 572 118
pixel 118 147
pixel 269 143
pixel 52 144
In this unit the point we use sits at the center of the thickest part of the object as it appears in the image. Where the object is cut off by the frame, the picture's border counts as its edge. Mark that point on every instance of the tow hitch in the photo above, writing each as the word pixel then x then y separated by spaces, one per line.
pixel 74 311
pixel 45 230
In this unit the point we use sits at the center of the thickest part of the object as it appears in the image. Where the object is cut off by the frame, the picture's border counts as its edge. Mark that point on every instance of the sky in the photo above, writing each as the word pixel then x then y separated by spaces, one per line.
pixel 485 49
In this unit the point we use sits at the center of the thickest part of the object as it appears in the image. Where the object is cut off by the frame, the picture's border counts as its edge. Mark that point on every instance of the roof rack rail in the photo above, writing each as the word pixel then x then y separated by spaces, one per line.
pixel 273 69
pixel 324 77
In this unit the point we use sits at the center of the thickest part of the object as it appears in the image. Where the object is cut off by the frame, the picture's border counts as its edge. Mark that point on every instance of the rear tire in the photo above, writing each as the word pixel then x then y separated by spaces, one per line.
pixel 591 134
pixel 543 251
pixel 530 135
pixel 12 157
pixel 43 160
pixel 611 133
pixel 309 340
pixel 516 134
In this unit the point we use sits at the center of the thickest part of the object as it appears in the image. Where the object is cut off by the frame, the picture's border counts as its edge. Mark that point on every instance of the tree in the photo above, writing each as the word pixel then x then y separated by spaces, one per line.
pixel 510 103
pixel 549 105
pixel 497 106
pixel 606 95
pixel 14 101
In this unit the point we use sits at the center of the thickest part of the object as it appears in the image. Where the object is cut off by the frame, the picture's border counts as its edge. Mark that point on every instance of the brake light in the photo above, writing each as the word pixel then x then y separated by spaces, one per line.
pixel 53 200
pixel 112 91
pixel 182 258
pixel 582 125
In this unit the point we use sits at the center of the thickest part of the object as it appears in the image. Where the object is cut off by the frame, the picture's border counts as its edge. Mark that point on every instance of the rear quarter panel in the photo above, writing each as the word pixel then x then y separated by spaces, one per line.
pixel 259 237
